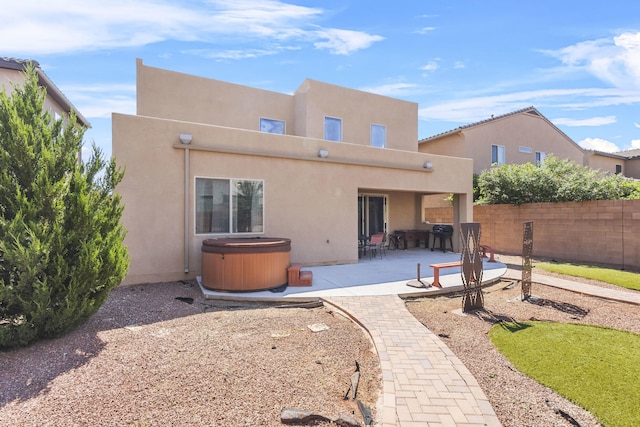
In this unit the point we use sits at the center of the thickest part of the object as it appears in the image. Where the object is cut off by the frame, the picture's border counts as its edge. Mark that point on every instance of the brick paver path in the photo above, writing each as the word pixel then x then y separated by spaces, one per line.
pixel 423 382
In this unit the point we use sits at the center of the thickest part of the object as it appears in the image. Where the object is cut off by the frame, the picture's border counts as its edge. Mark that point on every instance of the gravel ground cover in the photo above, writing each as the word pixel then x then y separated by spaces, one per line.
pixel 517 399
pixel 149 359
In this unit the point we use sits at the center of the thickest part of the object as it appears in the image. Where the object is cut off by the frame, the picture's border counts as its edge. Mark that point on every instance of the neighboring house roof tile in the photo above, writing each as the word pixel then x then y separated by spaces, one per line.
pixel 629 154
pixel 528 110
pixel 45 81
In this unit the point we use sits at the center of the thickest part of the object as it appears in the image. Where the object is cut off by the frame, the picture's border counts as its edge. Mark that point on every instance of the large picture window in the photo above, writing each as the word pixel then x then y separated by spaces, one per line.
pixel 332 129
pixel 229 206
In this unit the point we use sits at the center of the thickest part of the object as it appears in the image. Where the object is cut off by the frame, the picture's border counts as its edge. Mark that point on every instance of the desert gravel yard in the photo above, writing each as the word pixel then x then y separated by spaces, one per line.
pixel 148 359
pixel 517 399
pixel 153 357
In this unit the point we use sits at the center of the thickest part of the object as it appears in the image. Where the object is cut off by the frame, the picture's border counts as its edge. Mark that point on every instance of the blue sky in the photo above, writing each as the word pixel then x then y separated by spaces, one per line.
pixel 576 61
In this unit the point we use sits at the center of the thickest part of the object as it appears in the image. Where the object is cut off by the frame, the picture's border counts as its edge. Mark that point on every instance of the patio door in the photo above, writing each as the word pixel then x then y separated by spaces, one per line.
pixel 372 214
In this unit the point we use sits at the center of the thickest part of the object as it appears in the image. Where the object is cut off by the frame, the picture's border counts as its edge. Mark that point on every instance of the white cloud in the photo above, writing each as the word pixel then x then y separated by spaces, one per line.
pixel 635 143
pixel 593 121
pixel 430 66
pixel 613 60
pixel 474 108
pixel 344 42
pixel 599 145
pixel 391 89
pixel 63 26
pixel 636 125
pixel 458 65
pixel 425 30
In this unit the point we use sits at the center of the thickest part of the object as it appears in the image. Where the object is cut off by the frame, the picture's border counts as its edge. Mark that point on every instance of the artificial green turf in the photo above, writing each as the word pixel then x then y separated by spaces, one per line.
pixel 597 368
pixel 625 279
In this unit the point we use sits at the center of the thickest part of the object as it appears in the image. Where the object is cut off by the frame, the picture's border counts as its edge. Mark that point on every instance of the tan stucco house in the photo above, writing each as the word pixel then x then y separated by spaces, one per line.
pixel 322 166
pixel 12 74
pixel 523 136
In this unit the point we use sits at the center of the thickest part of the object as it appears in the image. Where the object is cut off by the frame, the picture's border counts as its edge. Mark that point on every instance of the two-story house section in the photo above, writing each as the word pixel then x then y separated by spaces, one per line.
pixel 322 166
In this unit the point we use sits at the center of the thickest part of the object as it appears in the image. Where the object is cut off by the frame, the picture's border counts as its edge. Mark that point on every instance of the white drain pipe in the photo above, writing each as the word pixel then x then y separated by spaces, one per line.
pixel 186 210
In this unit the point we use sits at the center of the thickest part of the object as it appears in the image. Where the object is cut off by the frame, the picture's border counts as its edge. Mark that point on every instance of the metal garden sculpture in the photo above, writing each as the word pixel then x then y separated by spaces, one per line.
pixel 471 260
pixel 527 252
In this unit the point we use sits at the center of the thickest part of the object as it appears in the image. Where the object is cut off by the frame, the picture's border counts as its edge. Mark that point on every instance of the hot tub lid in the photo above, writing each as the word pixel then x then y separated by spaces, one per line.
pixel 246 245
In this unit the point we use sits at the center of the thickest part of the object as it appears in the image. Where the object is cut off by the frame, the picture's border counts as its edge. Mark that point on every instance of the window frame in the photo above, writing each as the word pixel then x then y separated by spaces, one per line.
pixel 498 149
pixel 267 119
pixel 540 158
pixel 384 135
pixel 329 119
pixel 231 205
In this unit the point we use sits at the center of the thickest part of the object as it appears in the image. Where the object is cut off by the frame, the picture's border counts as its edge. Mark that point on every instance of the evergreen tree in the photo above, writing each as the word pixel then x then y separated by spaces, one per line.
pixel 61 241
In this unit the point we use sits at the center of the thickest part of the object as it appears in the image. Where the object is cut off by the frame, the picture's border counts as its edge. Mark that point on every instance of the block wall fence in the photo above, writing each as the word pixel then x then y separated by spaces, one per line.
pixel 602 232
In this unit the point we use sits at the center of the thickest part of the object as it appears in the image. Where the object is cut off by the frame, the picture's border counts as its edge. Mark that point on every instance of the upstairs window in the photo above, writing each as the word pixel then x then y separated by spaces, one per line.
pixel 540 156
pixel 378 136
pixel 332 129
pixel 272 126
pixel 497 155
pixel 229 206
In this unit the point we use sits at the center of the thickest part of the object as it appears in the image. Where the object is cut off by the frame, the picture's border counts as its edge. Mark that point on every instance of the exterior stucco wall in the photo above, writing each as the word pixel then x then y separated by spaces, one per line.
pixel 311 200
pixel 447 145
pixel 632 168
pixel 11 78
pixel 358 111
pixel 177 96
pixel 604 163
pixel 512 132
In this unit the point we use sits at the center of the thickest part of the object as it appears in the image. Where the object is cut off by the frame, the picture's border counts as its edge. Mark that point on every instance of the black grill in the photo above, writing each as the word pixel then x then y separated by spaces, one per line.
pixel 442 232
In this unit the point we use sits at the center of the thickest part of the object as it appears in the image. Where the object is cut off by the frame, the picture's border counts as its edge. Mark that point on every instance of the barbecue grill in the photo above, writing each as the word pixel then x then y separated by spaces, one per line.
pixel 442 232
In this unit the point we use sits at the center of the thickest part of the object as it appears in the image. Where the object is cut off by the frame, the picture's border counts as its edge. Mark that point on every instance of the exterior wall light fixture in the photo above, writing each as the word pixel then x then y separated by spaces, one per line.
pixel 323 154
pixel 428 166
pixel 185 138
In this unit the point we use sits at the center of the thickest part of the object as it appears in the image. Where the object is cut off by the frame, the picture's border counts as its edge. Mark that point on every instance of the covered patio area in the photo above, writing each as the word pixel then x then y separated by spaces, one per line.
pixel 382 275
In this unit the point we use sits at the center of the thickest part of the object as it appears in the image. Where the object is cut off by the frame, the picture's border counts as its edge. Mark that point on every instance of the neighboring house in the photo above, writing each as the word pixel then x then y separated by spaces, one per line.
pixel 623 162
pixel 523 136
pixel 609 162
pixel 12 73
pixel 323 166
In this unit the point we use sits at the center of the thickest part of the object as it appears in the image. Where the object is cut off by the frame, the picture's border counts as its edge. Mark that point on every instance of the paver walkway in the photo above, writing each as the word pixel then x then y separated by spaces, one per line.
pixel 423 382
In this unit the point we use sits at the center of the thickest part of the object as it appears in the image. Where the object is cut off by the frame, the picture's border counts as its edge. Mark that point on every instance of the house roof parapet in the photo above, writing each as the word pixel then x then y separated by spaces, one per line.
pixel 45 81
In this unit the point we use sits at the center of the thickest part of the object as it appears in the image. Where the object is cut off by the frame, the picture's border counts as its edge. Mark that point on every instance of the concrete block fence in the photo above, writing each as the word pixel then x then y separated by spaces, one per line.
pixel 604 232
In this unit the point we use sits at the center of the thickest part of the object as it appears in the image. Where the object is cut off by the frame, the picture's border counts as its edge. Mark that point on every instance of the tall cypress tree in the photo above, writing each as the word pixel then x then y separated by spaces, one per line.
pixel 61 241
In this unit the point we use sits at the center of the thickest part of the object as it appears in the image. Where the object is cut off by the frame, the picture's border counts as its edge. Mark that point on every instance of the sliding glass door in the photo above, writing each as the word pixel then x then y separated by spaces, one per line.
pixel 372 214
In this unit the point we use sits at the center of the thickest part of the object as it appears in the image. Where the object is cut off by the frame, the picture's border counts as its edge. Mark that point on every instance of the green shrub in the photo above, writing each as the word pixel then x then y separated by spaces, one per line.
pixel 555 181
pixel 61 241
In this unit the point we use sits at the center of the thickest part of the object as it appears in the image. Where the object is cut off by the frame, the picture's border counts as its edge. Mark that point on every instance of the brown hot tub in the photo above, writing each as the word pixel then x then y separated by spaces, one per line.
pixel 245 264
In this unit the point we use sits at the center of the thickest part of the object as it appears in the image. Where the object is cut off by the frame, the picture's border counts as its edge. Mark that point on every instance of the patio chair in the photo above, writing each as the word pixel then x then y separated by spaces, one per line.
pixel 375 245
